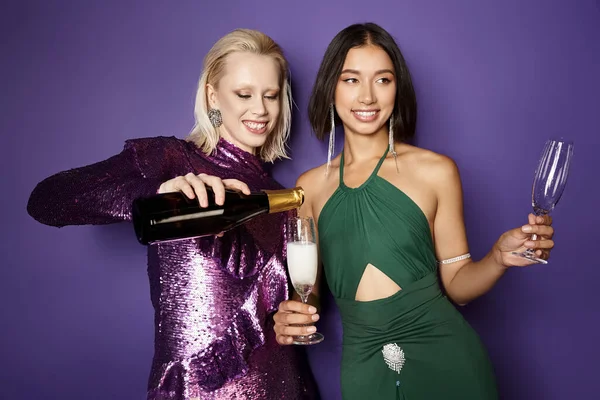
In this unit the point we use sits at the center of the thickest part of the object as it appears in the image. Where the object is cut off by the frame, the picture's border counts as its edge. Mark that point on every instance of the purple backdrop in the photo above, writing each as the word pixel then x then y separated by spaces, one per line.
pixel 493 82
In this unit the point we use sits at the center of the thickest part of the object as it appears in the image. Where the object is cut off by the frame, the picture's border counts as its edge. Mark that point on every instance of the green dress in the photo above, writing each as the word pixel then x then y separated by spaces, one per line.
pixel 413 345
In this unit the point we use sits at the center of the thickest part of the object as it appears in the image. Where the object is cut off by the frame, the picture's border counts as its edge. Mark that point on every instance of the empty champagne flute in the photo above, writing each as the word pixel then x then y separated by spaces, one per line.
pixel 549 183
pixel 302 264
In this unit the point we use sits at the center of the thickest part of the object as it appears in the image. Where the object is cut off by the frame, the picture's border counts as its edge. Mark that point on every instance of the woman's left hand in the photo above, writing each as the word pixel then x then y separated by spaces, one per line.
pixel 519 240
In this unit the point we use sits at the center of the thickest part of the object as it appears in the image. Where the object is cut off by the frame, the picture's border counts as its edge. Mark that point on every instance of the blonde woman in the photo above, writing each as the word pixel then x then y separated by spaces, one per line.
pixel 212 297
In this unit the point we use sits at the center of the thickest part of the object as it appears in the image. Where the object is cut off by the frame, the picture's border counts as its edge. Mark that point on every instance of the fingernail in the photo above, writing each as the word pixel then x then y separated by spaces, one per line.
pixel 315 317
pixel 526 228
pixel 312 310
pixel 311 329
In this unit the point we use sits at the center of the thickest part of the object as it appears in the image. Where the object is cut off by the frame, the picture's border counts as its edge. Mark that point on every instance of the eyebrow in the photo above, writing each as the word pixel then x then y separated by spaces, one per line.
pixel 252 87
pixel 379 72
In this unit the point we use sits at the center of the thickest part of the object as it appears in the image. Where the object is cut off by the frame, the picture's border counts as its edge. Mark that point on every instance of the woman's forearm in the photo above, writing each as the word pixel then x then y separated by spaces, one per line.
pixel 475 278
pixel 96 194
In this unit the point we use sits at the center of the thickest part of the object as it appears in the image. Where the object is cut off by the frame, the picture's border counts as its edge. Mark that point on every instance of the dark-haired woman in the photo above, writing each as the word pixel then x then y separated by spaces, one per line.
pixel 390 224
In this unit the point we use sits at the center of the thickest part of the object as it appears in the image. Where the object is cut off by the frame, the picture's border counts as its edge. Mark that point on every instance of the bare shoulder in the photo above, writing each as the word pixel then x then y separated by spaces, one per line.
pixel 435 168
pixel 319 185
pixel 316 179
pixel 312 177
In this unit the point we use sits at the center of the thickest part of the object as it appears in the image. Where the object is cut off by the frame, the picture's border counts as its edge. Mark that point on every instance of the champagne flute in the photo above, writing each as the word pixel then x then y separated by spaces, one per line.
pixel 548 183
pixel 302 264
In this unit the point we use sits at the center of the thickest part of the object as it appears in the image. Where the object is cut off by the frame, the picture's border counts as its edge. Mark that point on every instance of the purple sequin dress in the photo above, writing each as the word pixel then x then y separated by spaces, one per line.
pixel 213 297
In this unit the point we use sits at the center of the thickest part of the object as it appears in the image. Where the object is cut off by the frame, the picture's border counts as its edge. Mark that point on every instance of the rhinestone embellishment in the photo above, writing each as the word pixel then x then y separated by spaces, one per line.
pixel 393 356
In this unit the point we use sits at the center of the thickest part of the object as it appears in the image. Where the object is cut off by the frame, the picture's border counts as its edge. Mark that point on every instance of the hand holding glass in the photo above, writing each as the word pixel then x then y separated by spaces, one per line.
pixel 302 264
pixel 548 184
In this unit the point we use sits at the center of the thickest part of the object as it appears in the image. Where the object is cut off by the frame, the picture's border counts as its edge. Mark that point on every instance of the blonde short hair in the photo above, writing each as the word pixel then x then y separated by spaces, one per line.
pixel 203 134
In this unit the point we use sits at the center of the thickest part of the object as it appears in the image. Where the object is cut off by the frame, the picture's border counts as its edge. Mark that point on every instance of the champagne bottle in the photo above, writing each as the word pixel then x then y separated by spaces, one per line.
pixel 173 216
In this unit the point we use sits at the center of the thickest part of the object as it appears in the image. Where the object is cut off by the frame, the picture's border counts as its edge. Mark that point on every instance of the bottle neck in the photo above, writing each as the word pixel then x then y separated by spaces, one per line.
pixel 284 199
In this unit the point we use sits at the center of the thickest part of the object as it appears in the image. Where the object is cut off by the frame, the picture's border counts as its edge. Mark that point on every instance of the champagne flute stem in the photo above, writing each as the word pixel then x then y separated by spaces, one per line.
pixel 304 299
pixel 538 213
pixel 533 237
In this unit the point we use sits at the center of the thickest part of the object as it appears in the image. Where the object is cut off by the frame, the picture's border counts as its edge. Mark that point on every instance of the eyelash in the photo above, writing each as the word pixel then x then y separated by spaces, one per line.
pixel 247 96
pixel 385 80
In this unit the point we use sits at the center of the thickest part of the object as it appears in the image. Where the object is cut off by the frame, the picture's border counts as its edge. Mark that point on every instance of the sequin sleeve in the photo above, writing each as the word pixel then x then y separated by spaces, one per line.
pixel 102 193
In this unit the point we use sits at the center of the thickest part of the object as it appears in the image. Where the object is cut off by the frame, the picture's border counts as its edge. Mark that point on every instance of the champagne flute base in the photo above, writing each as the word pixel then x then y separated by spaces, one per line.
pixel 530 256
pixel 313 338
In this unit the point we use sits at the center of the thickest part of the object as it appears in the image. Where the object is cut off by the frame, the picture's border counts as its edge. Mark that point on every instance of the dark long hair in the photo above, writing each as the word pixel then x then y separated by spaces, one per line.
pixel 358 35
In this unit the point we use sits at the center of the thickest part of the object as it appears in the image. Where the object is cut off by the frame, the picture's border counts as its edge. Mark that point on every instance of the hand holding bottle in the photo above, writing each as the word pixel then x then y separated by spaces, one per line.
pixel 221 205
pixel 195 186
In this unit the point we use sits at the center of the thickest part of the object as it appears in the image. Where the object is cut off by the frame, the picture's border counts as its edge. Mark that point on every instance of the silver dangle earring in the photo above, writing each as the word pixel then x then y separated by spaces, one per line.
pixel 215 117
pixel 391 142
pixel 331 140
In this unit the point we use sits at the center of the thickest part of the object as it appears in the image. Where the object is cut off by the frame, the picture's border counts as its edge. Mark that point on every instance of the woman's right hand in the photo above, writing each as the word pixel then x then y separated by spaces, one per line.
pixel 195 186
pixel 289 319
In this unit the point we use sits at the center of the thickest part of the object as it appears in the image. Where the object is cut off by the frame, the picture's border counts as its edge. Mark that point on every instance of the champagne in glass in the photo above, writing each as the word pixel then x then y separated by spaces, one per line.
pixel 549 183
pixel 302 264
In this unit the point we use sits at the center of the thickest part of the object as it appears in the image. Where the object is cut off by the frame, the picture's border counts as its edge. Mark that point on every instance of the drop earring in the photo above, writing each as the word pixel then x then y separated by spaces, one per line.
pixel 331 139
pixel 392 149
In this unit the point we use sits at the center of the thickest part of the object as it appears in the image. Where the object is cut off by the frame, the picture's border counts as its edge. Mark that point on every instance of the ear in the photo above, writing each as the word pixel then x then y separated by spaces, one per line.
pixel 211 96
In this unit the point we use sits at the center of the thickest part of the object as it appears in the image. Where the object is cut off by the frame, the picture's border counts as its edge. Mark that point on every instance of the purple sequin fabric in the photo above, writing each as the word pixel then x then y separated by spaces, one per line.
pixel 213 297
